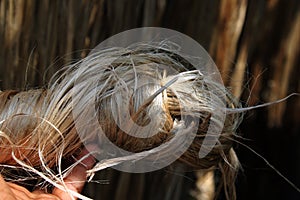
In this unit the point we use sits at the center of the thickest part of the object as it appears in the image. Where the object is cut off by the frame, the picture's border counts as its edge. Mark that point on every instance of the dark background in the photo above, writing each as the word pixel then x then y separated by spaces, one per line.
pixel 255 44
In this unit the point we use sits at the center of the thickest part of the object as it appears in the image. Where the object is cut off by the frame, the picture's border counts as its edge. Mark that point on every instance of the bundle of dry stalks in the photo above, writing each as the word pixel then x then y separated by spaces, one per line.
pixel 38 129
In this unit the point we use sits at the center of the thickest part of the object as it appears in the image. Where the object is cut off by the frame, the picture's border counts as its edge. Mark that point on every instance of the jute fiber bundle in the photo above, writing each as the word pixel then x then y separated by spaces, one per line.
pixel 39 132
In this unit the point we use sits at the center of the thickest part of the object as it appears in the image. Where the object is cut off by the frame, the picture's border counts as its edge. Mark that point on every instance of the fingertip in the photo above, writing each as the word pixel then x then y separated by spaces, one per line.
pixel 76 179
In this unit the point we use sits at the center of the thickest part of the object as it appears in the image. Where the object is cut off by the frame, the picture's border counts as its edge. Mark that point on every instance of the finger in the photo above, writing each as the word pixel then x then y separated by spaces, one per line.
pixel 76 179
pixel 5 190
pixel 11 191
pixel 21 193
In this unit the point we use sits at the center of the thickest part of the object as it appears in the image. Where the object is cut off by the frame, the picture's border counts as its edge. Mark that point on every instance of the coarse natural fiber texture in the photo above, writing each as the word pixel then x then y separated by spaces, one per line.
pixel 38 131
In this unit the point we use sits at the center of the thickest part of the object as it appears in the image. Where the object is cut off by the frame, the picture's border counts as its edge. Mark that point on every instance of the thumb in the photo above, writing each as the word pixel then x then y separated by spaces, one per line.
pixel 77 177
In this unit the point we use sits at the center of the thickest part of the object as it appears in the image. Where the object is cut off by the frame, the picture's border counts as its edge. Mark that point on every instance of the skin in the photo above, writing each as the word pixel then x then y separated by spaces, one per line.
pixel 75 181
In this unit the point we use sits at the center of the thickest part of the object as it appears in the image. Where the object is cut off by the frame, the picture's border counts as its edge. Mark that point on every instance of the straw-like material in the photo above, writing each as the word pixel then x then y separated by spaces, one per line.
pixel 38 127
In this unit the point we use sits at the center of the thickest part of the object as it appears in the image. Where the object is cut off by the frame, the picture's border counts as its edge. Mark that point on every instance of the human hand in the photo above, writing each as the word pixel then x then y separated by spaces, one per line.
pixel 74 181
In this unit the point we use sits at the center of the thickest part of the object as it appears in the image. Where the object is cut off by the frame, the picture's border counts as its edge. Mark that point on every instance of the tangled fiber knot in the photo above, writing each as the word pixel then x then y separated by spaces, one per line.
pixel 143 87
